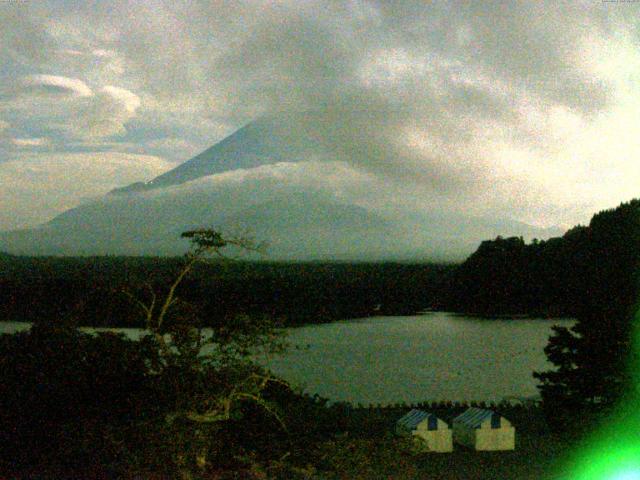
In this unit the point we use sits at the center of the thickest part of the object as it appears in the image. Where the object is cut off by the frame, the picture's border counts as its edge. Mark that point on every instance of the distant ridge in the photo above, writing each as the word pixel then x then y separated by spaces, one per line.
pixel 295 226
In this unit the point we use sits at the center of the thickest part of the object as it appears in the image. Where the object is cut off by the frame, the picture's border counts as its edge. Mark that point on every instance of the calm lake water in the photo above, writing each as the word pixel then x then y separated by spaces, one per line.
pixel 434 356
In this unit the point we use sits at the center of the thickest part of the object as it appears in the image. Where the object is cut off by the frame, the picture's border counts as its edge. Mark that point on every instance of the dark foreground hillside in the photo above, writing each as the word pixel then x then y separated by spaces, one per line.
pixel 88 407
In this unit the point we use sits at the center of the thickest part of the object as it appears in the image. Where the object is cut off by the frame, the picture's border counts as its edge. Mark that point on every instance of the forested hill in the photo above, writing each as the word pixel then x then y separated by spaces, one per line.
pixel 565 276
pixel 89 290
pixel 553 277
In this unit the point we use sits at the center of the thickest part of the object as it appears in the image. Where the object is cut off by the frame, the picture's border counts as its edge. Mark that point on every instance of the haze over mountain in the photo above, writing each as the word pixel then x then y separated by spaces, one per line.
pixel 277 181
pixel 444 123
pixel 264 141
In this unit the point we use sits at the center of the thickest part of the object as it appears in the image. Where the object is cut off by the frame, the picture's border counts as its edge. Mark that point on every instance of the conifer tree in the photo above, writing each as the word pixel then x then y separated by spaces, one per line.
pixel 594 358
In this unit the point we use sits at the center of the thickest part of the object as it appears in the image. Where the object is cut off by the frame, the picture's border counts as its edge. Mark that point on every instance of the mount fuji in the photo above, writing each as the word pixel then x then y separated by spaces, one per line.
pixel 261 179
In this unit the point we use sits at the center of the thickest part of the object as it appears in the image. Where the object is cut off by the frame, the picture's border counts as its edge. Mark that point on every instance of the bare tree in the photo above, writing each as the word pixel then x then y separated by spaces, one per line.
pixel 209 372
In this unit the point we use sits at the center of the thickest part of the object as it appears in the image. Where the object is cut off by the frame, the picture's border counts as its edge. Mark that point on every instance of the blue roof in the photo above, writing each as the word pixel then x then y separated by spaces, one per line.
pixel 415 417
pixel 474 417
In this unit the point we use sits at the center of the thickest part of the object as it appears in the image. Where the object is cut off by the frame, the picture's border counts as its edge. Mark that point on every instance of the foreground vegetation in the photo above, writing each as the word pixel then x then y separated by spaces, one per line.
pixel 178 404
pixel 75 405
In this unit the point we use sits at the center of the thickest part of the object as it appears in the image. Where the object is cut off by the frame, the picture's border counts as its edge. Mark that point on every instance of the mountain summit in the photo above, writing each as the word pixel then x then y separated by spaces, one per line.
pixel 267 140
pixel 274 179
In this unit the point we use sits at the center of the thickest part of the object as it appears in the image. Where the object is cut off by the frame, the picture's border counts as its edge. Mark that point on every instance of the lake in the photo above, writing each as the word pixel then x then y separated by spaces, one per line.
pixel 433 356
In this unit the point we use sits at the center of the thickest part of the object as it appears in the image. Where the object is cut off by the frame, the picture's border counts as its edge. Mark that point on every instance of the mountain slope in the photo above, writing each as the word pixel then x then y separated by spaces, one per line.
pixel 265 141
pixel 296 226
pixel 262 179
pixel 299 226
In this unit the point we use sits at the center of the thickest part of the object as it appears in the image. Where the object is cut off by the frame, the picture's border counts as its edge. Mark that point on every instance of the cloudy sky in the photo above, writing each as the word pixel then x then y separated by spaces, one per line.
pixel 526 110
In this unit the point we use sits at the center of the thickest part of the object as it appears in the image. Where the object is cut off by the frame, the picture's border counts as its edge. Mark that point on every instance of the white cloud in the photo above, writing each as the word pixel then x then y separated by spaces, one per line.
pixel 70 108
pixel 55 85
pixel 107 115
pixel 30 142
pixel 69 51
pixel 303 210
pixel 236 190
pixel 130 101
pixel 101 52
pixel 36 187
pixel 332 176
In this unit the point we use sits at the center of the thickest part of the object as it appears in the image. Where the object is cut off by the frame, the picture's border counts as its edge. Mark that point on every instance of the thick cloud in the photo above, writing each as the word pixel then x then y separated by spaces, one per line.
pixel 108 114
pixel 68 109
pixel 23 39
pixel 504 109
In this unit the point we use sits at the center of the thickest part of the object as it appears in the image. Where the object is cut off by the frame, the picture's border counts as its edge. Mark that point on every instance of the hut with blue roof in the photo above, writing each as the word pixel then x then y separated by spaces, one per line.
pixel 431 432
pixel 484 430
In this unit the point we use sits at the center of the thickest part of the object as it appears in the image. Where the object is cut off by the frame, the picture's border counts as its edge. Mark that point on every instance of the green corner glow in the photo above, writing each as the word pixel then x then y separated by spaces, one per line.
pixel 620 465
pixel 613 452
pixel 628 475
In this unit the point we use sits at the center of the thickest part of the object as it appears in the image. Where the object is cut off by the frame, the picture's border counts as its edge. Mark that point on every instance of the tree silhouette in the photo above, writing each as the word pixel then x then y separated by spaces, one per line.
pixel 593 358
pixel 203 377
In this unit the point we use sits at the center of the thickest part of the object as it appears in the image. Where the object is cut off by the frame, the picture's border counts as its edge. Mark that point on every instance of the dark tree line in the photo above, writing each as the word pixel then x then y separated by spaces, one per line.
pixel 596 361
pixel 546 278
pixel 91 289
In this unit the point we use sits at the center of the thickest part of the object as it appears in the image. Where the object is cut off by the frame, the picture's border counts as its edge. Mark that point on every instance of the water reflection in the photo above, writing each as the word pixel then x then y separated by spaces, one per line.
pixel 433 356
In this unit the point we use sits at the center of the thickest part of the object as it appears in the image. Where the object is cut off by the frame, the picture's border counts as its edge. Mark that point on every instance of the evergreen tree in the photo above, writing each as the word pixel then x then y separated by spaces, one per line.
pixel 593 357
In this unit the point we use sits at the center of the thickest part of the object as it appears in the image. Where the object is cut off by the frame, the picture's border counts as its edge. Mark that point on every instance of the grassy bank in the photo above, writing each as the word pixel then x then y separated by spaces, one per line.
pixel 370 450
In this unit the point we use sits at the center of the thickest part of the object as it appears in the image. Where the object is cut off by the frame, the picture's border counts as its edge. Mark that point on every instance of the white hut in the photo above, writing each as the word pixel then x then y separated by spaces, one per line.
pixel 434 434
pixel 484 430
